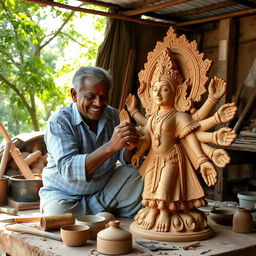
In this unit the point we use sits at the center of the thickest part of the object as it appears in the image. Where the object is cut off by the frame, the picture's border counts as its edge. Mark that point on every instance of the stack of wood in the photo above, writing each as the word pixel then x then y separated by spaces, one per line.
pixel 36 160
pixel 33 150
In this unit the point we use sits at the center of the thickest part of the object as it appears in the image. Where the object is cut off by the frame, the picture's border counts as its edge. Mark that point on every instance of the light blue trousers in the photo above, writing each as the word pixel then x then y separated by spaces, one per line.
pixel 125 203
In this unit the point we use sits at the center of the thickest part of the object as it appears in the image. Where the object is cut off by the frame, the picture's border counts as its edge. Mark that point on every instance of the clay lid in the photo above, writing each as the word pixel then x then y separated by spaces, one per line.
pixel 114 233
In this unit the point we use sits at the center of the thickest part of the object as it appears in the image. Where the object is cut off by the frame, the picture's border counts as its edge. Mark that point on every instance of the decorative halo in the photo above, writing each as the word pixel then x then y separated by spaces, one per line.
pixel 192 65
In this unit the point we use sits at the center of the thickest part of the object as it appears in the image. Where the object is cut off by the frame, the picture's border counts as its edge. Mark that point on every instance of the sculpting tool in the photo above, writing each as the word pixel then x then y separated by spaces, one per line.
pixel 33 231
pixel 21 220
pixel 155 248
pixel 206 251
pixel 9 210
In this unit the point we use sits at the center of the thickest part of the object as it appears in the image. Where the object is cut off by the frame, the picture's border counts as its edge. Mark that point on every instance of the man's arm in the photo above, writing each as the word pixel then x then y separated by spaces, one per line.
pixel 124 135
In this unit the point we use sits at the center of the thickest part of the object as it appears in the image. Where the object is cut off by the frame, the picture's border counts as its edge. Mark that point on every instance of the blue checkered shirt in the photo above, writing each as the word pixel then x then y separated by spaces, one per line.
pixel 69 140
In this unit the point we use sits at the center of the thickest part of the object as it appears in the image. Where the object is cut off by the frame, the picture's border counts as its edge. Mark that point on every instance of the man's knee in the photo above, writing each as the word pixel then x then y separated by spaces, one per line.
pixel 129 169
pixel 55 207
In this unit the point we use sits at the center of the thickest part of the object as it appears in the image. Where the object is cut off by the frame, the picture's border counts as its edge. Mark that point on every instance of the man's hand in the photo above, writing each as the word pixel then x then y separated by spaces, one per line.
pixel 209 173
pixel 124 135
pixel 217 88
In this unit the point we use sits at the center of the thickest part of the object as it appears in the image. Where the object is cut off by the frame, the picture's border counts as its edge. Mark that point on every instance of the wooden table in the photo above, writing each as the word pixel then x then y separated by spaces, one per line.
pixel 225 242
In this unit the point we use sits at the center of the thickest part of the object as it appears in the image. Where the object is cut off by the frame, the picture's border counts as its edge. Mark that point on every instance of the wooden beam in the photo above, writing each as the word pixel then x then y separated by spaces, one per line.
pixel 106 14
pixel 207 8
pixel 167 18
pixel 141 3
pixel 218 17
pixel 153 7
pixel 97 3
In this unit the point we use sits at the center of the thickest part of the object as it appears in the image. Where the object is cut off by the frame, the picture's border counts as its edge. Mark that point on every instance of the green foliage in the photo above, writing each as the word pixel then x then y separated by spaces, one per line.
pixel 35 71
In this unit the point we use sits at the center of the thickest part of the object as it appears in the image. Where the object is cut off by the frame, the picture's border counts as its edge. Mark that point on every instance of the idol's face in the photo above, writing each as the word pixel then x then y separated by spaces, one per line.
pixel 91 98
pixel 163 93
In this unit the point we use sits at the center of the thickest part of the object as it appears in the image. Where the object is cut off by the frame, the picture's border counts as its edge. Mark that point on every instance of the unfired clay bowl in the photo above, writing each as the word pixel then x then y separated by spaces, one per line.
pixel 74 235
pixel 222 216
pixel 108 216
pixel 96 223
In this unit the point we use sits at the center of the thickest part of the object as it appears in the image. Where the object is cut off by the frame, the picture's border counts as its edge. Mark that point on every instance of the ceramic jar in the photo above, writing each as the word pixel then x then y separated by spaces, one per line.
pixel 242 221
pixel 3 190
pixel 114 240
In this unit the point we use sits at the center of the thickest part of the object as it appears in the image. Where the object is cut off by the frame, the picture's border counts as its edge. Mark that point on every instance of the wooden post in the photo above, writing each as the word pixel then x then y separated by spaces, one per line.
pixel 128 78
pixel 225 68
pixel 225 65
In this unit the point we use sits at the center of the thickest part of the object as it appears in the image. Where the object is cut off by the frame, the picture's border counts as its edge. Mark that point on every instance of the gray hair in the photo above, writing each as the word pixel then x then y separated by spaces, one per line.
pixel 96 74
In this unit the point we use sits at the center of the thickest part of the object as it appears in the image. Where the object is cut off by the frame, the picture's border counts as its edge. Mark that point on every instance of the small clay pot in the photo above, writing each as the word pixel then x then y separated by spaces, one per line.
pixel 3 190
pixel 96 224
pixel 74 235
pixel 222 216
pixel 114 240
pixel 242 221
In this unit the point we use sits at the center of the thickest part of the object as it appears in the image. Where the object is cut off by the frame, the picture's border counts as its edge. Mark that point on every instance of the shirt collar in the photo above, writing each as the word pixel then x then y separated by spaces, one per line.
pixel 77 118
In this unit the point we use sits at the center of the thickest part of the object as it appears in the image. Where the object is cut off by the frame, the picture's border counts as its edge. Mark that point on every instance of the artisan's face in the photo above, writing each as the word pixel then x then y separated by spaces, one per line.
pixel 163 93
pixel 91 99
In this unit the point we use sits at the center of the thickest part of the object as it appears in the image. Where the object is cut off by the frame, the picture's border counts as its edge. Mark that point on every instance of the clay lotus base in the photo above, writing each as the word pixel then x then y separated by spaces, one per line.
pixel 183 226
pixel 171 236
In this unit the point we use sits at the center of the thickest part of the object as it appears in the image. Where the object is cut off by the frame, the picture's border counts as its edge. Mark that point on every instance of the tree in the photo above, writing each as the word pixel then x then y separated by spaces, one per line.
pixel 28 54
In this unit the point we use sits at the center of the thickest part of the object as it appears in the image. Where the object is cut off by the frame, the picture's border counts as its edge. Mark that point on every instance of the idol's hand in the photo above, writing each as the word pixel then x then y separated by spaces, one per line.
pixel 209 173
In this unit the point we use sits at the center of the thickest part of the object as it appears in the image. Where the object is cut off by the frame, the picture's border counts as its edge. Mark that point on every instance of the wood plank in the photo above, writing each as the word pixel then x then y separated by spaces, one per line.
pixel 225 242
pixel 21 206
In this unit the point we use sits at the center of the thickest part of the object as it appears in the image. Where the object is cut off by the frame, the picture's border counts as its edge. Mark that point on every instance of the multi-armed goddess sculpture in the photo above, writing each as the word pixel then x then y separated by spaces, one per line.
pixel 174 137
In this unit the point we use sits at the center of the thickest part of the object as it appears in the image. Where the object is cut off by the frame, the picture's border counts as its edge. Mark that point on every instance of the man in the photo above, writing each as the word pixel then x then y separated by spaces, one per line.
pixel 84 141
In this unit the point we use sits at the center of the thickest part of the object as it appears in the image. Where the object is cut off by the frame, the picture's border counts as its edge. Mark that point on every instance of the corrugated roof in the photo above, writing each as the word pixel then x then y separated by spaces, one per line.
pixel 179 12
pixel 183 10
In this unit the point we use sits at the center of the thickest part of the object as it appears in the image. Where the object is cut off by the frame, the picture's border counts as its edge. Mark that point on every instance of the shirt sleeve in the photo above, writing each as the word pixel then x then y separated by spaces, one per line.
pixel 121 156
pixel 63 146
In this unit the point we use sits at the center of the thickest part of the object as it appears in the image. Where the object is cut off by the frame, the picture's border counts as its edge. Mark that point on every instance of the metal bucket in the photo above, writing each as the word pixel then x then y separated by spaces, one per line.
pixel 25 190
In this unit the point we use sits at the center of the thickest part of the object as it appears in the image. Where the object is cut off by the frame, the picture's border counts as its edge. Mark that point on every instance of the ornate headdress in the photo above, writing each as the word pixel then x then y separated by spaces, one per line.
pixel 167 70
pixel 191 66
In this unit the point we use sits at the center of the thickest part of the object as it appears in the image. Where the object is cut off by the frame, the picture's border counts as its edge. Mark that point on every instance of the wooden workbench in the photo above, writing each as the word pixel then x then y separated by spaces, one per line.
pixel 225 242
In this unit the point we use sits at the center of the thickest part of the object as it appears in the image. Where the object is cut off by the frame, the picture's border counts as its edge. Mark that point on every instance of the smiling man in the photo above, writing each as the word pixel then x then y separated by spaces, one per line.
pixel 84 142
